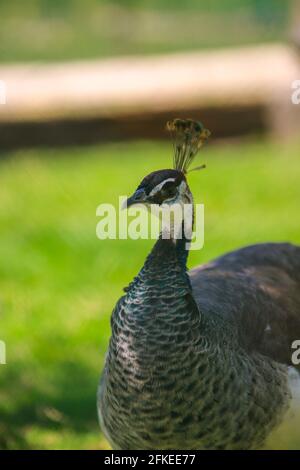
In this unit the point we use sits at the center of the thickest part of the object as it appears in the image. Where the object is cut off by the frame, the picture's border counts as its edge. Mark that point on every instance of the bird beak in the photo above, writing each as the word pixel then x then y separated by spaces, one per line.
pixel 137 198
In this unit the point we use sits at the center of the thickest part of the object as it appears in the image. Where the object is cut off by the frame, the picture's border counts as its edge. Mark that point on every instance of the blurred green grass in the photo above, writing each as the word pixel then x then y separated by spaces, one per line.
pixel 59 283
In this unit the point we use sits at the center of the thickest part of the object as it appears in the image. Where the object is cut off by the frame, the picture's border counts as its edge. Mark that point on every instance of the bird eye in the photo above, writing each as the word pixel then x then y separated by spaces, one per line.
pixel 169 190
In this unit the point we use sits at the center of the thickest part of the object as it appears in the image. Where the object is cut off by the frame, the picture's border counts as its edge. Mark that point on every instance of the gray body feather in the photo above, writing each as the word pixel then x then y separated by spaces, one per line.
pixel 200 360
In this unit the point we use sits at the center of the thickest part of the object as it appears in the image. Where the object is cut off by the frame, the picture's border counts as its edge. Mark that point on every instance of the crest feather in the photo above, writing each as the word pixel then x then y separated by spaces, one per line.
pixel 188 137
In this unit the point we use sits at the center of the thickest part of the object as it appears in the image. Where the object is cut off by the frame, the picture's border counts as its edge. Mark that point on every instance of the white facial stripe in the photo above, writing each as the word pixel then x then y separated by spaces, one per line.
pixel 159 186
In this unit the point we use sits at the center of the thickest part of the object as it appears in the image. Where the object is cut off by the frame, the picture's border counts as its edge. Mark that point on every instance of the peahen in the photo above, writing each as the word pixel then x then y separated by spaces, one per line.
pixel 202 359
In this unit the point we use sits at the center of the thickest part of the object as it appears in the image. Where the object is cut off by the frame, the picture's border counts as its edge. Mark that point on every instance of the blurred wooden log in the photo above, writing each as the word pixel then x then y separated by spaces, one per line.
pixel 130 97
pixel 247 76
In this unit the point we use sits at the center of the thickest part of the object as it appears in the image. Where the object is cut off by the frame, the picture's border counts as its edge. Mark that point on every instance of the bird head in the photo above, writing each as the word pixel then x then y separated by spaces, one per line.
pixel 169 186
pixel 160 187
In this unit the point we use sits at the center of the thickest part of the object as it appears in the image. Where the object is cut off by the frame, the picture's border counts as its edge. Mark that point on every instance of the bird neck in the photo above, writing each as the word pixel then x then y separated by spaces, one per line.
pixel 168 252
pixel 178 227
pixel 164 266
pixel 164 273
